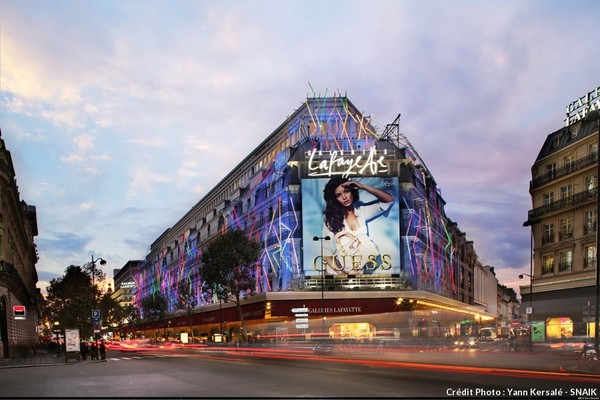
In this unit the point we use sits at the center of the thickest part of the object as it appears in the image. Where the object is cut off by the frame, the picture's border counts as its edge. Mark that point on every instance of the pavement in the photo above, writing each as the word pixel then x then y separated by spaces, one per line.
pixel 42 358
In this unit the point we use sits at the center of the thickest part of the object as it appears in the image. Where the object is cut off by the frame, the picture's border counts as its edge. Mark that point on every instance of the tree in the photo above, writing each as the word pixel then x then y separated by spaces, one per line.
pixel 70 299
pixel 131 315
pixel 154 307
pixel 186 300
pixel 97 276
pixel 227 268
pixel 111 311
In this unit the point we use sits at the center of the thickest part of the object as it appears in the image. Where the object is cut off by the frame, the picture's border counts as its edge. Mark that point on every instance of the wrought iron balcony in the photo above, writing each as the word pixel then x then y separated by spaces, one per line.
pixel 567 169
pixel 579 198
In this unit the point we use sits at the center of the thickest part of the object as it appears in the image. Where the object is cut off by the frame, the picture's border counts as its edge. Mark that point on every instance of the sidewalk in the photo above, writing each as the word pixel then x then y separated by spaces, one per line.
pixel 41 358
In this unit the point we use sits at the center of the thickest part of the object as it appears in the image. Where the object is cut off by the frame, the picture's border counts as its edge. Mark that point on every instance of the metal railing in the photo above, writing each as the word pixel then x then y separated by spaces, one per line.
pixel 567 169
pixel 570 201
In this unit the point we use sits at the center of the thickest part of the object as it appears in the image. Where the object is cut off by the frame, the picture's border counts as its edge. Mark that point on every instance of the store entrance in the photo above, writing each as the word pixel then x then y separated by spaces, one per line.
pixel 355 330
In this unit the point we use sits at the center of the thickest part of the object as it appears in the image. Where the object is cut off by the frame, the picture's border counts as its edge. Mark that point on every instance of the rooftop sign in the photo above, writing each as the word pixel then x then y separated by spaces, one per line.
pixel 578 109
pixel 349 163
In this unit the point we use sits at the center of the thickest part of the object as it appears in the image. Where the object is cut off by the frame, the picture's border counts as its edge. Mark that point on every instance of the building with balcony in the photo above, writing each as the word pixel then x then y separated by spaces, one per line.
pixel 124 282
pixel 509 311
pixel 564 225
pixel 20 300
pixel 408 272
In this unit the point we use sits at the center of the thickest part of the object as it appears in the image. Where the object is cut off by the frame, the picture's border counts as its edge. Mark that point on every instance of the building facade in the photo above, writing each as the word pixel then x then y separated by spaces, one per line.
pixel 124 281
pixel 509 311
pixel 20 300
pixel 400 266
pixel 564 226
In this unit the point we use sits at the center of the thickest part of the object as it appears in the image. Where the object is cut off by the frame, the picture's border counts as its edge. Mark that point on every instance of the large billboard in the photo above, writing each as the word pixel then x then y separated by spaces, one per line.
pixel 360 216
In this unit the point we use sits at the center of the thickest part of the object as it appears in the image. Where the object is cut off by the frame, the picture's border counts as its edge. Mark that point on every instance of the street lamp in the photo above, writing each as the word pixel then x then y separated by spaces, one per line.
pixel 530 309
pixel 321 238
pixel 95 317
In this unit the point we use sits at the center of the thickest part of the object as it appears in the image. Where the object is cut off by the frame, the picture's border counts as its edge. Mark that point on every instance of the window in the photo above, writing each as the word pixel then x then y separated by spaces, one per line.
pixel 591 183
pixel 568 161
pixel 566 228
pixel 556 142
pixel 566 261
pixel 551 169
pixel 548 265
pixel 589 260
pixel 589 222
pixel 566 192
pixel 548 198
pixel 593 148
pixel 548 234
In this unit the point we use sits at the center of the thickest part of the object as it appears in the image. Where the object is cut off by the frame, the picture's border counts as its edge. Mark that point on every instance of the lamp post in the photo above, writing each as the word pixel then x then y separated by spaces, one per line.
pixel 596 114
pixel 589 118
pixel 323 264
pixel 95 314
pixel 530 222
pixel 530 309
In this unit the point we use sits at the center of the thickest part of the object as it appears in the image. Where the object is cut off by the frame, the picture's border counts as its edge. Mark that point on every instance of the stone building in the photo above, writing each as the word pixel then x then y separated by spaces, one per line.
pixel 20 300
pixel 564 225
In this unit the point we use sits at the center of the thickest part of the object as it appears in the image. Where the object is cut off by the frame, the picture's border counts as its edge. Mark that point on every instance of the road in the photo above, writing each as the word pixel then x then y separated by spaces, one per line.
pixel 288 372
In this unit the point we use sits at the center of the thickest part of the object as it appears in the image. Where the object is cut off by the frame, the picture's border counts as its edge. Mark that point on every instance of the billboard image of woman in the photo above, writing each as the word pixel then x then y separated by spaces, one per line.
pixel 360 216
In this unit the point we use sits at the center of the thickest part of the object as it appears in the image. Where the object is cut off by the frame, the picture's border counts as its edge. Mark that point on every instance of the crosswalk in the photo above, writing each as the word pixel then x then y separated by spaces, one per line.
pixel 144 357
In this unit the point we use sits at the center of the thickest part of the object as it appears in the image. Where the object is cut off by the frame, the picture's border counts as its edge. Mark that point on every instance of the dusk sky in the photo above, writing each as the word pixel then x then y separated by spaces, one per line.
pixel 121 115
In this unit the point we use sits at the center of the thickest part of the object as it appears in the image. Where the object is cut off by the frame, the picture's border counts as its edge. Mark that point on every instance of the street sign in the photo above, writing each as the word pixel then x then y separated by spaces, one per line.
pixel 95 314
pixel 302 326
pixel 529 310
pixel 300 310
pixel 19 312
pixel 301 320
pixel 302 315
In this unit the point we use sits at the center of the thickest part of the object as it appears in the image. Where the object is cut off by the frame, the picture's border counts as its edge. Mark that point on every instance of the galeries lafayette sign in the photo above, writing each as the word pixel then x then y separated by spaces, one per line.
pixel 578 109
pixel 346 164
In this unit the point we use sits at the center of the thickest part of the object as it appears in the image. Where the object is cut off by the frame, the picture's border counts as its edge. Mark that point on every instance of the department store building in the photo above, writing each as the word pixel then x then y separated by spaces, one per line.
pixel 421 277
pixel 564 226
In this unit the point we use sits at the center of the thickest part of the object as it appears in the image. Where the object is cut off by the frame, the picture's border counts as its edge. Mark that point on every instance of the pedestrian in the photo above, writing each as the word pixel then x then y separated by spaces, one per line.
pixel 94 352
pixel 102 351
pixel 84 350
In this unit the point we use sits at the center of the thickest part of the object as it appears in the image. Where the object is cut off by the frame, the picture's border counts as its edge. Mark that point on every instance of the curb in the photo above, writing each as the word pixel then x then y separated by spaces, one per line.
pixel 46 364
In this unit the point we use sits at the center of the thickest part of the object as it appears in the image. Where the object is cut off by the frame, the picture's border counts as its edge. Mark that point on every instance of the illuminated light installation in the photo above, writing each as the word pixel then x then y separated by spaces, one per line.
pixel 268 203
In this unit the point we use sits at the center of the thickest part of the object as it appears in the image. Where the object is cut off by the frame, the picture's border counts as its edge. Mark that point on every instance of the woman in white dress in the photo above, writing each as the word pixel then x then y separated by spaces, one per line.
pixel 346 222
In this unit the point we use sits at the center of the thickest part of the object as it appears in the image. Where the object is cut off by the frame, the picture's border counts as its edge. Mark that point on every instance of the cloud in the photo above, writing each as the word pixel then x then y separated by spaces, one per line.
pixel 72 158
pixel 57 243
pixel 117 128
pixel 84 142
pixel 144 182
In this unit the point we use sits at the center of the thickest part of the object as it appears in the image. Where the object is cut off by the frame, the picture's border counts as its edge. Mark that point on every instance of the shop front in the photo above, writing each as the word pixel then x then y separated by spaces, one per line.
pixel 343 315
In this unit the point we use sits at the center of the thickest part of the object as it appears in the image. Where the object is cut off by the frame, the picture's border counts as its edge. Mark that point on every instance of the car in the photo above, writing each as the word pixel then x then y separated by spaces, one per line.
pixel 487 334
pixel 323 349
pixel 466 343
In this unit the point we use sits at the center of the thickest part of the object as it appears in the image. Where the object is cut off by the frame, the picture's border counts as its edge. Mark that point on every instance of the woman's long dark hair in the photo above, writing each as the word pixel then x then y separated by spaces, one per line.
pixel 334 211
